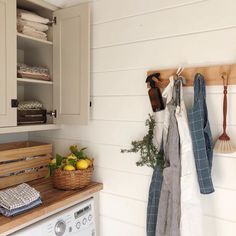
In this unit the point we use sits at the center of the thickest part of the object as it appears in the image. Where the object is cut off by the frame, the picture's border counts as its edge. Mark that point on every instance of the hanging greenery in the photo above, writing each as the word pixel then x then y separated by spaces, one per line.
pixel 149 153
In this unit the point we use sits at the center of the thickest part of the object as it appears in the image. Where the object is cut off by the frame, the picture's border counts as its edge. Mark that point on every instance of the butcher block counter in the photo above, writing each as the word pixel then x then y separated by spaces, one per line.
pixel 54 200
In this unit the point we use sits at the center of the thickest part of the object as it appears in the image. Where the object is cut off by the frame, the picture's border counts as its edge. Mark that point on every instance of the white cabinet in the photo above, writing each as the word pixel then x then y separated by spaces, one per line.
pixel 66 54
pixel 7 63
pixel 71 56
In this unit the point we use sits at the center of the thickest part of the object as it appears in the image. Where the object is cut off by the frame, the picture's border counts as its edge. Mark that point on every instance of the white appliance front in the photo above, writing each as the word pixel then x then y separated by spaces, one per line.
pixel 78 220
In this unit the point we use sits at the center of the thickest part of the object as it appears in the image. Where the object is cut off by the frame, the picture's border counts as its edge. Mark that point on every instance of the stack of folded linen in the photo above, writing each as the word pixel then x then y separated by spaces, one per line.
pixel 17 200
pixel 32 72
pixel 31 112
pixel 30 105
pixel 31 24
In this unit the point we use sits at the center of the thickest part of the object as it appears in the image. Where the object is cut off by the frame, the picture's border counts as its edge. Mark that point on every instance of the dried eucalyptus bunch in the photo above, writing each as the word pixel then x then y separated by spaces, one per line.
pixel 149 153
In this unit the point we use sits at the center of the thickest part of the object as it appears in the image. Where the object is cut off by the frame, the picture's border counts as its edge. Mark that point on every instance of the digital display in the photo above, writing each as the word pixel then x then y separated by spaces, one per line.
pixel 82 211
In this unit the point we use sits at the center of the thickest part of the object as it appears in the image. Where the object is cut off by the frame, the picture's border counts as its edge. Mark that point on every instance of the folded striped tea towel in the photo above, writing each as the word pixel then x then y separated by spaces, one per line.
pixel 19 196
pixel 20 210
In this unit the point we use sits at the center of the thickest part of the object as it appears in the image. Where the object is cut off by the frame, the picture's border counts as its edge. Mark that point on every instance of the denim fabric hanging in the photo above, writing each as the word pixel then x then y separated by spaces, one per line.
pixel 153 201
pixel 201 136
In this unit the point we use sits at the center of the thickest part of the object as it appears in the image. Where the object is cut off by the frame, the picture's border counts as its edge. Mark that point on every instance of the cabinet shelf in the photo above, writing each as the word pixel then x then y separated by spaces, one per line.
pixel 33 81
pixel 28 128
pixel 25 40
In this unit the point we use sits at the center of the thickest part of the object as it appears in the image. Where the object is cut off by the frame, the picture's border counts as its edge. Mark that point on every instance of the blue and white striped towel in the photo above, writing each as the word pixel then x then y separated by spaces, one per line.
pixel 19 196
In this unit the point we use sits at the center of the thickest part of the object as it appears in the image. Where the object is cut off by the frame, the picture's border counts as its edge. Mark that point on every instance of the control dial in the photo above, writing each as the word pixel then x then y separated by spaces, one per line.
pixel 60 228
pixel 84 221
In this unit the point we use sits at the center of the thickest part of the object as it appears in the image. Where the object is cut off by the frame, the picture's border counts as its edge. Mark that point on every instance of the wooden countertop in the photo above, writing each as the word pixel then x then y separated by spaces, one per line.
pixel 53 199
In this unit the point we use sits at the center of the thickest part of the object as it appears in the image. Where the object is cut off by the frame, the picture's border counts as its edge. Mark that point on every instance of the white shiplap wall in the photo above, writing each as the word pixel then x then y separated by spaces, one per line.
pixel 130 37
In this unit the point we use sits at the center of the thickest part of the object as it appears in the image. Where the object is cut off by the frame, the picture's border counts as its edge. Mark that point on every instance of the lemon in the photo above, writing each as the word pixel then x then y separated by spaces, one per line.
pixel 72 156
pixel 88 161
pixel 69 167
pixel 53 161
pixel 82 164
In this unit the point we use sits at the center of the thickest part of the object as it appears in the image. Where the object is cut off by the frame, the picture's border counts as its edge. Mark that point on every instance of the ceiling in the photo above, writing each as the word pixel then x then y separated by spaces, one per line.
pixel 65 3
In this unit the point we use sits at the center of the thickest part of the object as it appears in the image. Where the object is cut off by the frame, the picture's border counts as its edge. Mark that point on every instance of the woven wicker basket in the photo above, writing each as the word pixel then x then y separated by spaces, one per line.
pixel 69 180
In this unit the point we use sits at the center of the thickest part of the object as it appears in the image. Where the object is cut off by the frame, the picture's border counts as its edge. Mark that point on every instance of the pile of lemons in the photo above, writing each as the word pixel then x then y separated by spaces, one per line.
pixel 81 164
pixel 75 160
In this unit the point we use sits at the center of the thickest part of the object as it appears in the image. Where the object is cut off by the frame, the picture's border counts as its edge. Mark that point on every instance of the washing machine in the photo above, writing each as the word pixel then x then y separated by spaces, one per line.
pixel 78 220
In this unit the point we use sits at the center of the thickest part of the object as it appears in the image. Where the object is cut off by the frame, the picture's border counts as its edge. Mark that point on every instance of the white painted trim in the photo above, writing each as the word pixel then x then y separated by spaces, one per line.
pixel 29 128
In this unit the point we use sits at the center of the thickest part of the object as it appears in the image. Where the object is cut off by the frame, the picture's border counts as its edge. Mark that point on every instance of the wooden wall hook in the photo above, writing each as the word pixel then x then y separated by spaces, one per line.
pixel 210 73
pixel 225 78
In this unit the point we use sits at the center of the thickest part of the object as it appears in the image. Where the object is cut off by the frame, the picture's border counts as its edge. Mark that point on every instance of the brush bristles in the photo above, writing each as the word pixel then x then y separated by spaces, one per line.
pixel 224 146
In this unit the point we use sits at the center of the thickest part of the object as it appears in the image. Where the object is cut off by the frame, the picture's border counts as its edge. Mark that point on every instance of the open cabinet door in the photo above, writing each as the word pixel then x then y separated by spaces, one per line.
pixel 7 62
pixel 71 64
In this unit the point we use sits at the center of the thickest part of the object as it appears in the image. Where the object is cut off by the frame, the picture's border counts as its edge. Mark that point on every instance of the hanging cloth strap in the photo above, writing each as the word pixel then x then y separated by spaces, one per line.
pixel 199 88
pixel 177 91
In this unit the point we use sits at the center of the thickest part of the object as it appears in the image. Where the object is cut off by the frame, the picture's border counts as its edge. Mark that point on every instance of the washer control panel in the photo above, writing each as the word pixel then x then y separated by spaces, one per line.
pixel 78 220
pixel 83 217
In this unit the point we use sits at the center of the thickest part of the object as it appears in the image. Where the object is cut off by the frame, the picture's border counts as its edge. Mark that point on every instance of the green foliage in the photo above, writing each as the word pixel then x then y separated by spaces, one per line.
pixel 51 168
pixel 71 162
pixel 80 154
pixel 149 154
pixel 59 160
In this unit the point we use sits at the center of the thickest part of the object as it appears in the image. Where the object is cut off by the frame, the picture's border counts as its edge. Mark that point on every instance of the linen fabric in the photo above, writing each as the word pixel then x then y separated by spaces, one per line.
pixel 201 136
pixel 153 201
pixel 35 25
pixel 168 219
pixel 32 32
pixel 19 196
pixel 157 177
pixel 191 221
pixel 30 105
pixel 31 16
pixel 20 210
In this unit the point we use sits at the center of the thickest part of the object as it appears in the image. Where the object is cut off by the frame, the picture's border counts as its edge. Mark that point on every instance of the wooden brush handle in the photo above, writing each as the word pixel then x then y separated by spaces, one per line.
pixel 224 136
pixel 225 109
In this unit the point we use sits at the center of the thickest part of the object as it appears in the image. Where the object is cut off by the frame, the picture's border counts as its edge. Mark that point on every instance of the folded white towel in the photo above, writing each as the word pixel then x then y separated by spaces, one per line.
pixel 32 32
pixel 32 24
pixel 31 16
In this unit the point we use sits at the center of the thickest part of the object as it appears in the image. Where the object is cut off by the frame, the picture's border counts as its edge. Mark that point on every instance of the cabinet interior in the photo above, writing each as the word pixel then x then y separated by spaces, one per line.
pixel 35 52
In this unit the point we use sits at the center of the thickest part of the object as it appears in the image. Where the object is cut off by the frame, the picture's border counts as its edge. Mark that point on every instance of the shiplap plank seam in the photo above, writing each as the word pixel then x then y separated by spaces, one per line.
pixel 122 221
pixel 122 196
pixel 164 37
pixel 149 12
pixel 126 172
pixel 221 219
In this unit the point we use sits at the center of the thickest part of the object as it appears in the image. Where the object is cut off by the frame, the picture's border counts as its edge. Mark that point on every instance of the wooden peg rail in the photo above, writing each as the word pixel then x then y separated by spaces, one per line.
pixel 212 74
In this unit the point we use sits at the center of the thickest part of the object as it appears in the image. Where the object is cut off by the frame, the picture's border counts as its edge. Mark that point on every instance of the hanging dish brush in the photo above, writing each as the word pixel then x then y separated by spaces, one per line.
pixel 223 144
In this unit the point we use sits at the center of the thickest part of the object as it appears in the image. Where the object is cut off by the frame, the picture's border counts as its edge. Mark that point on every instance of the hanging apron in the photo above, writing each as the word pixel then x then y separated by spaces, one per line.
pixel 168 219
pixel 201 136
pixel 157 177
pixel 153 201
pixel 191 210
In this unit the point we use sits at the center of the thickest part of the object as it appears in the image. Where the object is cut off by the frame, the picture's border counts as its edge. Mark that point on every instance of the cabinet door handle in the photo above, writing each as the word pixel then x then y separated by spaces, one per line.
pixel 14 103
pixel 52 113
